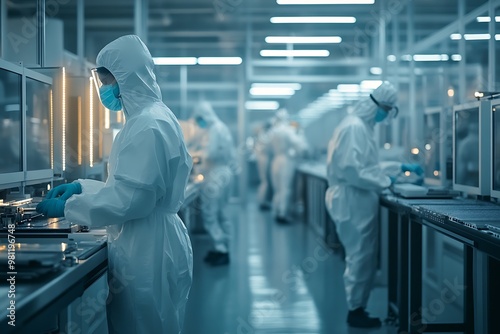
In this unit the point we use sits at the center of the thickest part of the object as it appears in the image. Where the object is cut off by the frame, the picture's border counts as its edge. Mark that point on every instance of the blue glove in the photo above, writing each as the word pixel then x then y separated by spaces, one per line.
pixel 51 208
pixel 414 168
pixel 65 191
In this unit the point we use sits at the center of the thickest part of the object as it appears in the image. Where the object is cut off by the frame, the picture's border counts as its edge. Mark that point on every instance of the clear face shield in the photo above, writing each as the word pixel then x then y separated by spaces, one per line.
pixel 391 111
pixel 107 88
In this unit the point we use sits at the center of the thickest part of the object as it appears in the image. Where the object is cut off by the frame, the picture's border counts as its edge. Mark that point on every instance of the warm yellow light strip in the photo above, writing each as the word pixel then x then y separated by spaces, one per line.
pixel 51 129
pixel 91 127
pixel 119 116
pixel 79 130
pixel 64 119
pixel 106 118
pixel 101 121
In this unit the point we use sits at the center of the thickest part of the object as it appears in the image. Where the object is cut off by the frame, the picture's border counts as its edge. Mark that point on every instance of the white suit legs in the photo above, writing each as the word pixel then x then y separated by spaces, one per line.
pixel 214 197
pixel 263 166
pixel 283 170
pixel 358 232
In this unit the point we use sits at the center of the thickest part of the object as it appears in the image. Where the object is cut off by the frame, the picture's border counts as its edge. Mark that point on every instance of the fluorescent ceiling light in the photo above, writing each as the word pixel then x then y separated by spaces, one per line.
pixel 456 57
pixel 348 88
pixel 262 105
pixel 391 58
pixel 431 57
pixel 476 37
pixel 220 60
pixel 497 37
pixel 471 37
pixel 486 19
pixel 175 60
pixel 325 2
pixel 303 40
pixel 267 91
pixel 313 19
pixel 376 70
pixel 370 84
pixel 294 86
pixel 294 53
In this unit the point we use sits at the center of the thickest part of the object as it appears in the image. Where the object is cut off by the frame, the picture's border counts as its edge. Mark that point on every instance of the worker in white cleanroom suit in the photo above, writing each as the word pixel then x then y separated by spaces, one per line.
pixel 355 179
pixel 263 155
pixel 286 145
pixel 149 251
pixel 211 145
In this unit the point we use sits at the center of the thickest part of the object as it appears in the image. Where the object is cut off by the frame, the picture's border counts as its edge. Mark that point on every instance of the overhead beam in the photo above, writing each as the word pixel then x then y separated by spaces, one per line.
pixel 309 78
pixel 217 86
pixel 215 103
pixel 3 26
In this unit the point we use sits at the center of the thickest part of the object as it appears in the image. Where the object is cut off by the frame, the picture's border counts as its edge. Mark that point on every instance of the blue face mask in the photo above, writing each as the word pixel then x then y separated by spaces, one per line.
pixel 380 115
pixel 201 122
pixel 109 97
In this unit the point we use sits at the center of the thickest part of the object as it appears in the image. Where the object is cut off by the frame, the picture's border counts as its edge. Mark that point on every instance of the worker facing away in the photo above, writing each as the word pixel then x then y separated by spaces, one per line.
pixel 355 179
pixel 149 251
pixel 286 145
pixel 263 157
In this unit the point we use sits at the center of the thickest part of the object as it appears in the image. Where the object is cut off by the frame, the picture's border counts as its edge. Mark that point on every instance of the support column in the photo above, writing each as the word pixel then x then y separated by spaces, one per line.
pixel 461 50
pixel 491 49
pixel 183 87
pixel 412 98
pixel 3 26
pixel 382 38
pixel 141 15
pixel 396 130
pixel 80 34
pixel 40 15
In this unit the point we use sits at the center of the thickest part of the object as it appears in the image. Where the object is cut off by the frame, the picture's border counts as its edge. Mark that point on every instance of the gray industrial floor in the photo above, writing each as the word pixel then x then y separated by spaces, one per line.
pixel 282 279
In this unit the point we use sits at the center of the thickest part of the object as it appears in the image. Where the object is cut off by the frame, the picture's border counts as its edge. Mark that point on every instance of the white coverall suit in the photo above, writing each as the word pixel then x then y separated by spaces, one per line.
pixel 214 146
pixel 149 251
pixel 355 179
pixel 286 145
pixel 263 155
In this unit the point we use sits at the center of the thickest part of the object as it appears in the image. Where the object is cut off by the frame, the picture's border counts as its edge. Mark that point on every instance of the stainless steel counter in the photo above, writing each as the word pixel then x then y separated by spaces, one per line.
pixel 38 301
pixel 314 168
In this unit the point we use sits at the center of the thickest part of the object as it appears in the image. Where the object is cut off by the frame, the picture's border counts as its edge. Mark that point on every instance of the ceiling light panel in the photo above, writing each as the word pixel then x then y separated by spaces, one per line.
pixel 325 2
pixel 294 53
pixel 314 19
pixel 303 39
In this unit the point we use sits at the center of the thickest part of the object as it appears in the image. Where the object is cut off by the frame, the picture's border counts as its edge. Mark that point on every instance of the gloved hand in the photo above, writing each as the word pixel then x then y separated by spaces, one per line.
pixel 414 168
pixel 51 208
pixel 65 191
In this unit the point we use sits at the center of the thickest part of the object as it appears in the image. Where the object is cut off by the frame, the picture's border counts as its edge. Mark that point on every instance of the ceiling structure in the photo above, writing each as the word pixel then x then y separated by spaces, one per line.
pixel 238 28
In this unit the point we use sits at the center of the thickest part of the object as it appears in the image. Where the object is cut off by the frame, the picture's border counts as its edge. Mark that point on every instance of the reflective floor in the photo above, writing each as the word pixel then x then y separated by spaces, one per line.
pixel 282 279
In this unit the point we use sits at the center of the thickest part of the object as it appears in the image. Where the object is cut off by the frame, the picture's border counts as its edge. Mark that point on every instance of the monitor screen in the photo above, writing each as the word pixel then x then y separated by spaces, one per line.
pixel 10 122
pixel 467 147
pixel 37 124
pixel 433 141
pixel 496 147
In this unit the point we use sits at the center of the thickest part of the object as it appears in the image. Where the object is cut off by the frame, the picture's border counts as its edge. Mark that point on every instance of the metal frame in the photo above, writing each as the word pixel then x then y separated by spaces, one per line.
pixel 56 73
pixel 493 192
pixel 9 180
pixel 42 174
pixel 484 109
pixel 442 146
pixel 16 179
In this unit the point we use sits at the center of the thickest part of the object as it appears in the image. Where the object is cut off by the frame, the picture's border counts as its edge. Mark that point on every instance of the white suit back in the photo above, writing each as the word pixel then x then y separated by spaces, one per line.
pixel 150 255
